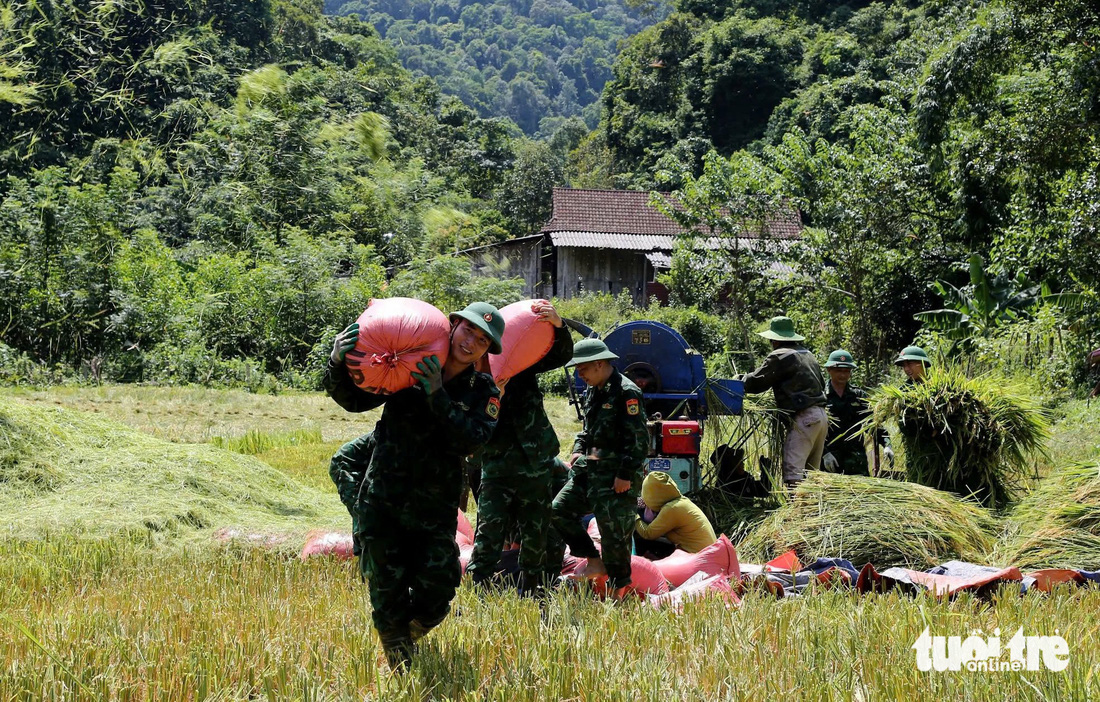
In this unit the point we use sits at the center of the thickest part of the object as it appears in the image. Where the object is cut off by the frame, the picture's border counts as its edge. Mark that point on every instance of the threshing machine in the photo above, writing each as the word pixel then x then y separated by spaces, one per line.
pixel 678 395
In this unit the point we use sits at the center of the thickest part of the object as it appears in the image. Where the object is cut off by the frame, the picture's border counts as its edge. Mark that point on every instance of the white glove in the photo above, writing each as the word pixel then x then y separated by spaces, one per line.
pixel 829 463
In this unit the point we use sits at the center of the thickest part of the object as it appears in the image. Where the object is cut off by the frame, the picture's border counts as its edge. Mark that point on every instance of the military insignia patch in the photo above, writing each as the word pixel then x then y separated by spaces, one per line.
pixel 632 407
pixel 606 405
pixel 493 408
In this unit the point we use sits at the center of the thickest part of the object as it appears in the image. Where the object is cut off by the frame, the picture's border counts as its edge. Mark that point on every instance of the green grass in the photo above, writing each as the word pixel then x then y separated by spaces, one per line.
pixel 256 442
pixel 121 622
pixel 73 474
pixel 164 612
pixel 199 415
pixel 1075 436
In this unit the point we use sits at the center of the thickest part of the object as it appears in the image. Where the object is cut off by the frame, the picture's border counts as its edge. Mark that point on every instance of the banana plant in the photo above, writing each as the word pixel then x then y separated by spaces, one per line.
pixel 979 308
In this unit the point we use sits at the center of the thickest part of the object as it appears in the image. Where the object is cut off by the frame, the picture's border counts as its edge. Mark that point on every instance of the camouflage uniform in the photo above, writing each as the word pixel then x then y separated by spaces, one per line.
pixel 844 442
pixel 794 376
pixel 347 470
pixel 516 475
pixel 613 444
pixel 407 504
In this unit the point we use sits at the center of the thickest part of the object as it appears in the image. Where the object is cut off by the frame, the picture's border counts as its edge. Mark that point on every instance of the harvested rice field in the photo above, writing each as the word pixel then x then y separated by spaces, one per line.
pixel 147 560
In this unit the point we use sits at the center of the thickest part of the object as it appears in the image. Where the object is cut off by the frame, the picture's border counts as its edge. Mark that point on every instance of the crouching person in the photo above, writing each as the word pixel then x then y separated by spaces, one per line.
pixel 407 504
pixel 675 517
pixel 608 455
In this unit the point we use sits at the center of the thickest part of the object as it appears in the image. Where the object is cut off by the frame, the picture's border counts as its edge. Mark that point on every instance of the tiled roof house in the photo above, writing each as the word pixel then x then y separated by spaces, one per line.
pixel 606 240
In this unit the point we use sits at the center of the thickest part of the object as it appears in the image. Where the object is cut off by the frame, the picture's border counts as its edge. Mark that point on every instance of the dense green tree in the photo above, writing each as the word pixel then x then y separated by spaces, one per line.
pixel 526 195
pixel 536 59
pixel 209 195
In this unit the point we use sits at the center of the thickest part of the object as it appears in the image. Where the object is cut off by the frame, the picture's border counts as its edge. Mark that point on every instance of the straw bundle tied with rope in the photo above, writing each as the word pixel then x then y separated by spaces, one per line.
pixel 971 436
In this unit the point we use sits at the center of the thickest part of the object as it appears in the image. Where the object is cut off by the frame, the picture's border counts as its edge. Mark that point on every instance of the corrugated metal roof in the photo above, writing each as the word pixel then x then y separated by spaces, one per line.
pixel 605 240
pixel 650 242
pixel 659 259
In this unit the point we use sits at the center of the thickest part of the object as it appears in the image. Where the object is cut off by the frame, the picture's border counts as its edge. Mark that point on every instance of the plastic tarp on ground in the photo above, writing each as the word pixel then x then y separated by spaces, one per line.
pixel 720 558
pixel 695 587
pixel 946 580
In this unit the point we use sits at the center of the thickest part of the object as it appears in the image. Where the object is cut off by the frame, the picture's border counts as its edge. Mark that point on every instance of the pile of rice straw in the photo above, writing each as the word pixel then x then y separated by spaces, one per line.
pixel 1057 525
pixel 873 520
pixel 971 436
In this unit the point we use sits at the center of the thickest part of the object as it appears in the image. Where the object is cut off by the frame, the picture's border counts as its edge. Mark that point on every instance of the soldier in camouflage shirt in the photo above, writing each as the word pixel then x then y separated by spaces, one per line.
pixel 847 405
pixel 517 471
pixel 608 456
pixel 406 505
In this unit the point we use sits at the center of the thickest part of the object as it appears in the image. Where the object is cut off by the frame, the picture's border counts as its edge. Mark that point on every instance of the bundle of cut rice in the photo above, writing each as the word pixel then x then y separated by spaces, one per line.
pixel 1058 524
pixel 971 436
pixel 873 520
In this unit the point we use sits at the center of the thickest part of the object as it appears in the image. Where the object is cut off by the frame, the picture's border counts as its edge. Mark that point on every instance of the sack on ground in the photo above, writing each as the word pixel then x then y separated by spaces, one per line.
pixel 327 543
pixel 720 558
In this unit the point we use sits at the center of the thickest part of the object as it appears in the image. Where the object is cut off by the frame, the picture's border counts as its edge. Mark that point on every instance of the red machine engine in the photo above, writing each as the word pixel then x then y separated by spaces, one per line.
pixel 681 438
pixel 674 449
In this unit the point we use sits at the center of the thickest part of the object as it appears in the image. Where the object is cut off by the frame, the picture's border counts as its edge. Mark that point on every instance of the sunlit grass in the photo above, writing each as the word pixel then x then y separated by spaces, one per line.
pixel 198 415
pixel 117 621
pixel 76 474
pixel 145 615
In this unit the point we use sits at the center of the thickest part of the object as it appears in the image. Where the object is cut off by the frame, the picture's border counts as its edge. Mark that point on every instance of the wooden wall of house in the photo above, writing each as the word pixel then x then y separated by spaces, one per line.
pixel 604 270
pixel 513 259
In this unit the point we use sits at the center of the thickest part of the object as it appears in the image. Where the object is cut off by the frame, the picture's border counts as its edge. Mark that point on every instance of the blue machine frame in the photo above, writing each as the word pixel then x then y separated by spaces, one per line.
pixel 678 370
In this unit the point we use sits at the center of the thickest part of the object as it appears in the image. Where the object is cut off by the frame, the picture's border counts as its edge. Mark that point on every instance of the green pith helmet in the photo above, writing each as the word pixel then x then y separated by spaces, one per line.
pixel 781 329
pixel 912 353
pixel 590 350
pixel 840 359
pixel 486 318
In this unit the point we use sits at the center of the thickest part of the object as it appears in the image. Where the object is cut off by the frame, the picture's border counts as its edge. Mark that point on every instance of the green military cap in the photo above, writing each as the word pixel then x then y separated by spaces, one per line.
pixel 587 350
pixel 840 359
pixel 781 329
pixel 486 318
pixel 912 353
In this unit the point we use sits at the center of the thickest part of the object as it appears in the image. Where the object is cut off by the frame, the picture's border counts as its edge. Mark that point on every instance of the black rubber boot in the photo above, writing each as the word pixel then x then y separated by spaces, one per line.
pixel 399 655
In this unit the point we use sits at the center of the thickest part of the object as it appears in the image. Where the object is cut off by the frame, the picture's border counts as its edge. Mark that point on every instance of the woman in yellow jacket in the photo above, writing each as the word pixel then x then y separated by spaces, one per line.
pixel 677 519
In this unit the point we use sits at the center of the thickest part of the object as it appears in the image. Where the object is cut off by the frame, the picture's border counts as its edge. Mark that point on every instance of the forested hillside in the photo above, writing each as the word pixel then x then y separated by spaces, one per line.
pixel 911 136
pixel 200 191
pixel 535 61
pixel 195 190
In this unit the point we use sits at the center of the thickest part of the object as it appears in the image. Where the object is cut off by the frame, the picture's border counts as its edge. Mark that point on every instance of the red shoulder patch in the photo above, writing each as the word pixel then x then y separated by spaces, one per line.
pixel 632 406
pixel 493 408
